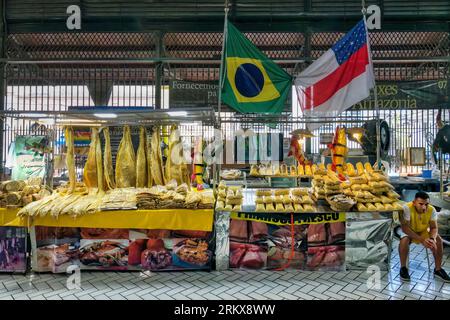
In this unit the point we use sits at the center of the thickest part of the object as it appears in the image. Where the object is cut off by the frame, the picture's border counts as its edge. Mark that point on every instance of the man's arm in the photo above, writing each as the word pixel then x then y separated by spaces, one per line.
pixel 406 229
pixel 433 229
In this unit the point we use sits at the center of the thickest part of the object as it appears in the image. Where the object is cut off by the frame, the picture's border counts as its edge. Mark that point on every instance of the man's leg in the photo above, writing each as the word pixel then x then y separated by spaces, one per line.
pixel 438 253
pixel 403 250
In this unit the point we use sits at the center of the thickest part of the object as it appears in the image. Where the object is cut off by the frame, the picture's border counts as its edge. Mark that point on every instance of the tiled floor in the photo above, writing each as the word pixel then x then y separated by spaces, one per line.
pixel 234 285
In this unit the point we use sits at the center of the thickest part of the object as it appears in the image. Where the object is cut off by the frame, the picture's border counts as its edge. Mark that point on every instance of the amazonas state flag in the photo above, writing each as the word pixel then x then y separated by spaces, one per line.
pixel 253 83
pixel 340 78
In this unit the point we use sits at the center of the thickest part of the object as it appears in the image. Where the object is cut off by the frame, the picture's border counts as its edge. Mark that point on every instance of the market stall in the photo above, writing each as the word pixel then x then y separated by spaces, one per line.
pixel 129 210
pixel 310 228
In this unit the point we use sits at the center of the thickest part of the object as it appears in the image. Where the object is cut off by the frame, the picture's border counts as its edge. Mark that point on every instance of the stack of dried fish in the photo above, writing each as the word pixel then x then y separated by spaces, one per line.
pixel 207 200
pixel 158 197
pixel 171 200
pixel 149 198
pixel 193 199
pixel 119 199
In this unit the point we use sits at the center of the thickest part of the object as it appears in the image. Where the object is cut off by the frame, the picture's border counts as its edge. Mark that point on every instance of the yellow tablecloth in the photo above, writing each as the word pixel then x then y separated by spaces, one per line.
pixel 8 218
pixel 171 219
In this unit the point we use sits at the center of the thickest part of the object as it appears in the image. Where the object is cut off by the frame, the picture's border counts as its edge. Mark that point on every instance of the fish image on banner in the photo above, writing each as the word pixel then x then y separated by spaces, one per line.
pixel 252 82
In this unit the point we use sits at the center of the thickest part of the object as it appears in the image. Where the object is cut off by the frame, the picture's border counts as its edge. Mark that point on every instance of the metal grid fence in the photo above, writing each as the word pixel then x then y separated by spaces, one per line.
pixel 136 69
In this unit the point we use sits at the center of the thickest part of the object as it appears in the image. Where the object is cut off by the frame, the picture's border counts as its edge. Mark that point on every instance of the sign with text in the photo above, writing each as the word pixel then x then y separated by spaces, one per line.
pixel 187 94
pixel 429 94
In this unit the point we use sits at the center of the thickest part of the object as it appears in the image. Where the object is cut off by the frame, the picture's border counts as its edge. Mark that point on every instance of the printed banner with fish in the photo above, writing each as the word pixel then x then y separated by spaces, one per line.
pixel 284 219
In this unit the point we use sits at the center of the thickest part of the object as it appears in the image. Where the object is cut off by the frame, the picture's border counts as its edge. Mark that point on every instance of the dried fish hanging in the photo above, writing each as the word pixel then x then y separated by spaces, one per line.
pixel 148 152
pixel 141 160
pixel 126 161
pixel 90 168
pixel 176 167
pixel 107 161
pixel 70 158
pixel 94 180
pixel 156 158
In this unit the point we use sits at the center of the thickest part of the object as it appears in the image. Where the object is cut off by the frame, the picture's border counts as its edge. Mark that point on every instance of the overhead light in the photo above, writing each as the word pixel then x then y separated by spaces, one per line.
pixel 177 113
pixel 105 115
pixel 189 123
pixel 47 121
pixel 34 115
pixel 75 120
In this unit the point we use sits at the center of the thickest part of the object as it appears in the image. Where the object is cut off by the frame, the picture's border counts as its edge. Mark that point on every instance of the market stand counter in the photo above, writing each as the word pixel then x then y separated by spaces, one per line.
pixel 315 241
pixel 9 218
pixel 177 239
pixel 169 219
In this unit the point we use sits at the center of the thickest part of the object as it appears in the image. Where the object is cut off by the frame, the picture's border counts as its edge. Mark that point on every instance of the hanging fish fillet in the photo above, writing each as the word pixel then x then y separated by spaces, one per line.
pixel 107 161
pixel 90 168
pixel 156 158
pixel 99 165
pixel 70 158
pixel 174 157
pixel 148 152
pixel 126 161
pixel 141 160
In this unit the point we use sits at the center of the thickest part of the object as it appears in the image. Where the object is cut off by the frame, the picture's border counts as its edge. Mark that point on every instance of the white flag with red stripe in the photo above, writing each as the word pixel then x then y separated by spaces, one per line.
pixel 340 78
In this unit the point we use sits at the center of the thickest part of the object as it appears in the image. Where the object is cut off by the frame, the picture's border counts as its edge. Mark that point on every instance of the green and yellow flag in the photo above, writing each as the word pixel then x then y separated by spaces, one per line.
pixel 253 83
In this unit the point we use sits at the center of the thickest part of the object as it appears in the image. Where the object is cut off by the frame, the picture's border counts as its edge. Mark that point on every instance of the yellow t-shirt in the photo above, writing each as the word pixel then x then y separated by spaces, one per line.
pixel 419 222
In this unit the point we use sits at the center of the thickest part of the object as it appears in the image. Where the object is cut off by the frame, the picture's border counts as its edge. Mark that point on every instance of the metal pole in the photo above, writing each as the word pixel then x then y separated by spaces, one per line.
pixel 158 71
pixel 377 108
pixel 441 174
pixel 222 73
pixel 3 35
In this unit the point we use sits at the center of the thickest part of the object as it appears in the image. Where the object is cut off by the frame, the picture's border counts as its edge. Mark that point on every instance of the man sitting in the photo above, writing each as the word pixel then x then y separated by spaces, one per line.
pixel 419 225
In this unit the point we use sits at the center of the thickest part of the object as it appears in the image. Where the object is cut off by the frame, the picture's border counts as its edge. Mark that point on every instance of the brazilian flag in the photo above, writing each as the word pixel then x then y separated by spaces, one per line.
pixel 252 82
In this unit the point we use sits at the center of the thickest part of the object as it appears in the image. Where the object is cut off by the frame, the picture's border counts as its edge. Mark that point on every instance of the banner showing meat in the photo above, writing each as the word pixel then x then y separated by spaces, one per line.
pixel 326 258
pixel 326 248
pixel 248 244
pixel 248 256
pixel 170 249
pixel 281 253
pixel 191 253
pixel 104 254
pixel 284 219
pixel 13 249
pixel 120 249
pixel 258 245
pixel 56 249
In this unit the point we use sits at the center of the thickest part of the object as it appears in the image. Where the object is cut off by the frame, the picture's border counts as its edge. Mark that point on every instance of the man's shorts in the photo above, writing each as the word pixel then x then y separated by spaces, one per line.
pixel 424 234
